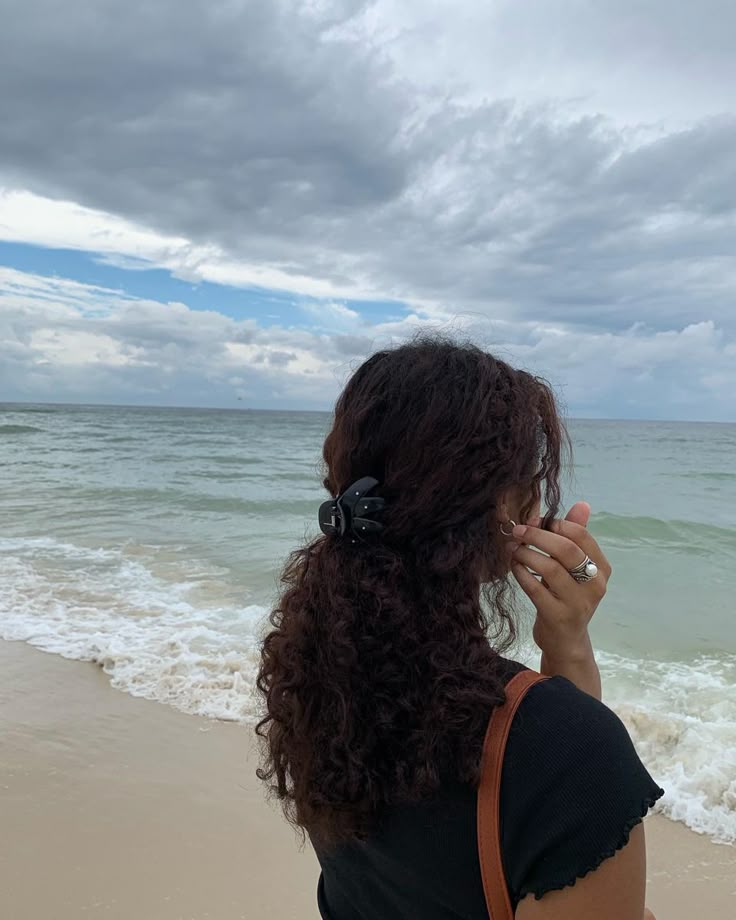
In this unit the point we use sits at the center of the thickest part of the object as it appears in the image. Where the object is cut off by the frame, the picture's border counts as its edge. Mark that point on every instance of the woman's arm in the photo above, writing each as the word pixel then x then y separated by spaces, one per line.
pixel 577 665
pixel 615 891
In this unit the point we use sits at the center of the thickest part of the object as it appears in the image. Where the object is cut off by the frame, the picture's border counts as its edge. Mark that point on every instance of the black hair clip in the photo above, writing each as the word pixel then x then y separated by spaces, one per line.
pixel 348 512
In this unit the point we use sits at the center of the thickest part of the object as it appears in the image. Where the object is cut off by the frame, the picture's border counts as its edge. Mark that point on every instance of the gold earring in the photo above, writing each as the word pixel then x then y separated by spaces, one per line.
pixel 510 524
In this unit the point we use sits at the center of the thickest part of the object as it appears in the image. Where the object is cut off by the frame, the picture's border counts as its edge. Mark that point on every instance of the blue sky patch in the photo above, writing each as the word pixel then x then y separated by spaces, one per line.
pixel 141 279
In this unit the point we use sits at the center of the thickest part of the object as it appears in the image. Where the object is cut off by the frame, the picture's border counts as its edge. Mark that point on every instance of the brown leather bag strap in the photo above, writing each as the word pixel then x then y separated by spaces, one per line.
pixel 489 795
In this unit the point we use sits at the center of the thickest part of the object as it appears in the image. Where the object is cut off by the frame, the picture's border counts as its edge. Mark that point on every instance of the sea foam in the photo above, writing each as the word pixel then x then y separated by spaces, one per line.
pixel 682 718
pixel 153 636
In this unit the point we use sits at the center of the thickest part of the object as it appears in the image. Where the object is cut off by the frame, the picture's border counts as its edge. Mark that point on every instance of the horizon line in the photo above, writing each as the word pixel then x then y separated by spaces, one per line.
pixel 86 405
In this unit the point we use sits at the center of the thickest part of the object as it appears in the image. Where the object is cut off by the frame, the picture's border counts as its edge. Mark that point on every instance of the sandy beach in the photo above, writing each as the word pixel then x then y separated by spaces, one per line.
pixel 119 808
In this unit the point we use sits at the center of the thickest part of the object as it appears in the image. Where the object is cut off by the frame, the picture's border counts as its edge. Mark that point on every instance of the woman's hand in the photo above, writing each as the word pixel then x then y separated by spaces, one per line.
pixel 564 606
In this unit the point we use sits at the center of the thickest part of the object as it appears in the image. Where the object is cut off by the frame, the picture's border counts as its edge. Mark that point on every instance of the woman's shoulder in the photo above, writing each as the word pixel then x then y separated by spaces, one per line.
pixel 555 708
pixel 557 718
pixel 566 728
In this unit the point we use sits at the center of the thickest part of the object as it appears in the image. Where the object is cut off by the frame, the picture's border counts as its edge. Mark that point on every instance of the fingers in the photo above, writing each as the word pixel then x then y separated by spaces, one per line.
pixel 579 514
pixel 577 542
pixel 555 575
pixel 585 540
pixel 537 593
pixel 564 550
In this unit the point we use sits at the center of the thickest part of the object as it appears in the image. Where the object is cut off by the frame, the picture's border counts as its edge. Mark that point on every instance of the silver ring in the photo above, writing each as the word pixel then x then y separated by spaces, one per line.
pixel 586 571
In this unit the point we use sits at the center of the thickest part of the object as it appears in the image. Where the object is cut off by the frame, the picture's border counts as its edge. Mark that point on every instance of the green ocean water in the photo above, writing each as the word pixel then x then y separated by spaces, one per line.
pixel 150 540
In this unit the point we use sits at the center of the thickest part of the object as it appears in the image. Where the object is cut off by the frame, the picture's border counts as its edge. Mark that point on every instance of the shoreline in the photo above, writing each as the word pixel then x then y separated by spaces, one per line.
pixel 122 808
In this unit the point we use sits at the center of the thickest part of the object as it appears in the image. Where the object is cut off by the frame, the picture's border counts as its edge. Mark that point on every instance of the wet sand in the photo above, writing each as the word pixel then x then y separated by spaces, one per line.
pixel 119 808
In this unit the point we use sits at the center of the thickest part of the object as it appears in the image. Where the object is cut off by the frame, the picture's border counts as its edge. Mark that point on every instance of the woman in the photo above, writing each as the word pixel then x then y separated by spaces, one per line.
pixel 386 661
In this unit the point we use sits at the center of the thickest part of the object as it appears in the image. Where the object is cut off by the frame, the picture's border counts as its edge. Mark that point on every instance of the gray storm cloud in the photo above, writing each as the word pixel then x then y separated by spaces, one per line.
pixel 293 136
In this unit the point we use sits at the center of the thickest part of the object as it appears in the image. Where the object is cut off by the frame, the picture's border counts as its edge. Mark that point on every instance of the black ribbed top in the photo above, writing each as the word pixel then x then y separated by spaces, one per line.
pixel 572 789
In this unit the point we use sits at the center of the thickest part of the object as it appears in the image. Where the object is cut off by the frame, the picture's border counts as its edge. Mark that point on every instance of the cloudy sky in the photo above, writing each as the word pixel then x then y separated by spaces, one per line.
pixel 232 202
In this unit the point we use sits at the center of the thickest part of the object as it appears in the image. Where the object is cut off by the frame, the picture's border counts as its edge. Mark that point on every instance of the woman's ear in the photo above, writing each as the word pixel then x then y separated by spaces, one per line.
pixel 502 515
pixel 507 508
pixel 512 504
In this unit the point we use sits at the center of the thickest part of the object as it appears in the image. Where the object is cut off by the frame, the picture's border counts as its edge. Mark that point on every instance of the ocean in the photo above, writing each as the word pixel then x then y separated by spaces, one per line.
pixel 150 540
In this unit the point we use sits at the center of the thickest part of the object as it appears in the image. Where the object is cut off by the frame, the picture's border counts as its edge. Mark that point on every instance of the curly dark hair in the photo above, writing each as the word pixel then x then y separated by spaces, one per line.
pixel 383 663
